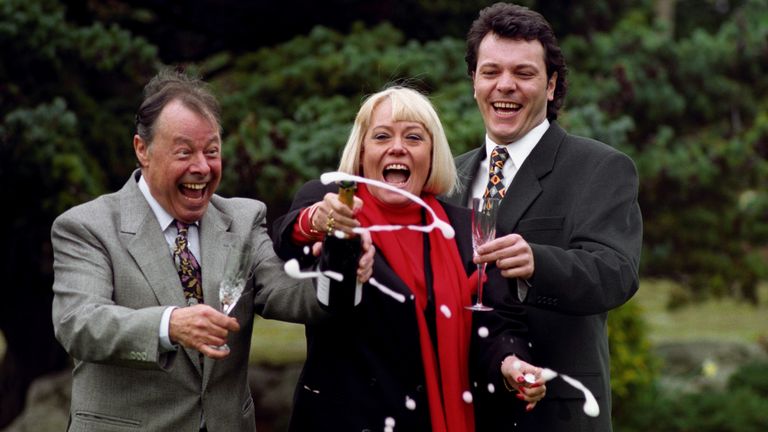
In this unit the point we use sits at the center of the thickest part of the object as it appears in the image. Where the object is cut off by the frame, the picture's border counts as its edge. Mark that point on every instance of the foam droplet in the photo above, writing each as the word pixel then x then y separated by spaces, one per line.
pixel 491 388
pixel 547 374
pixel 333 275
pixel 591 408
pixel 529 378
pixel 445 310
pixel 482 332
pixel 410 403
pixel 517 365
pixel 389 422
pixel 293 270
pixel 383 288
pixel 590 404
pixel 467 396
pixel 306 250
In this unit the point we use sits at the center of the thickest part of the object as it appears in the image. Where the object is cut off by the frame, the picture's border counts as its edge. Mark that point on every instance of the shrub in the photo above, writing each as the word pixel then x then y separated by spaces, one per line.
pixel 752 377
pixel 741 408
pixel 633 366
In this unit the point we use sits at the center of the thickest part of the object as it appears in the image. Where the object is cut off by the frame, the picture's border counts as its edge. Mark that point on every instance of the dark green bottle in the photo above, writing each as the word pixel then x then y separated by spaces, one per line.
pixel 341 255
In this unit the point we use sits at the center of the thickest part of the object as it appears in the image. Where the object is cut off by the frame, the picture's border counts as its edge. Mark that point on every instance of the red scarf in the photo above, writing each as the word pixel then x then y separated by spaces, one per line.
pixel 452 289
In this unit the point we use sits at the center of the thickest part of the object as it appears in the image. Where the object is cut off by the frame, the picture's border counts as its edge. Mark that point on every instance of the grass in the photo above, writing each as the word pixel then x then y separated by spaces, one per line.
pixel 275 342
pixel 718 319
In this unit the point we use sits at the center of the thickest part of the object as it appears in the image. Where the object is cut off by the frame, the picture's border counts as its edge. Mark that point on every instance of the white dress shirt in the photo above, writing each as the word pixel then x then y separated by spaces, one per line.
pixel 169 232
pixel 518 152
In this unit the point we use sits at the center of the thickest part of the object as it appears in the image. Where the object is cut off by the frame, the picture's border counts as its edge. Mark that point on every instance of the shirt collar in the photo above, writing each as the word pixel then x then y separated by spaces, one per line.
pixel 163 217
pixel 520 149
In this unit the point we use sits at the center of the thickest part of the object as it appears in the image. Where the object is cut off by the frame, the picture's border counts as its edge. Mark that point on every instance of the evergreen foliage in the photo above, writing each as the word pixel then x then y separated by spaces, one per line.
pixel 67 96
pixel 692 113
pixel 685 99
pixel 690 110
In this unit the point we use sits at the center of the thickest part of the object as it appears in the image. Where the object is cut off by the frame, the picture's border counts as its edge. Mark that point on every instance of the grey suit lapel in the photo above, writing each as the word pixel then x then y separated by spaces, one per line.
pixel 525 187
pixel 148 247
pixel 151 252
pixel 215 241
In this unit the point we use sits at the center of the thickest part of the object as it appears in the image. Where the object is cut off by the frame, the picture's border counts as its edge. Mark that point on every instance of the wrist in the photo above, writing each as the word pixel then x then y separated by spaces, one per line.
pixel 506 364
pixel 312 227
pixel 306 225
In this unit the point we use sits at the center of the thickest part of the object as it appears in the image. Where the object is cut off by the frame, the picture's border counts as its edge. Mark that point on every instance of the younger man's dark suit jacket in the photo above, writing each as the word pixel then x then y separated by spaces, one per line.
pixel 574 200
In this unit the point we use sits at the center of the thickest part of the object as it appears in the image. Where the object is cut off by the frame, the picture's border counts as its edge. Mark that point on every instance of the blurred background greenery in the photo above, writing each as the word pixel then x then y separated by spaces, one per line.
pixel 679 85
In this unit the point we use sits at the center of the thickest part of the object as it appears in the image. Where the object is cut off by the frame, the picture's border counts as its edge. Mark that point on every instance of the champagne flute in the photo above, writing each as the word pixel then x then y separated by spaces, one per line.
pixel 484 211
pixel 237 271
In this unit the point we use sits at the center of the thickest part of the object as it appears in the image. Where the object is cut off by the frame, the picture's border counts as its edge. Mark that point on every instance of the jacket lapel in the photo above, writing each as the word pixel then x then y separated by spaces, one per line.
pixel 466 169
pixel 526 186
pixel 215 241
pixel 148 247
pixel 152 253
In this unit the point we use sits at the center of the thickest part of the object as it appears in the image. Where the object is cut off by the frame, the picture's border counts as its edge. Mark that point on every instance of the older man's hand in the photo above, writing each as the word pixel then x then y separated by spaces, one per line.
pixel 202 328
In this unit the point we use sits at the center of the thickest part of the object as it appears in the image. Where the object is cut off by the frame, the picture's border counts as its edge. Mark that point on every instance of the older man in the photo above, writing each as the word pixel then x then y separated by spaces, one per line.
pixel 137 274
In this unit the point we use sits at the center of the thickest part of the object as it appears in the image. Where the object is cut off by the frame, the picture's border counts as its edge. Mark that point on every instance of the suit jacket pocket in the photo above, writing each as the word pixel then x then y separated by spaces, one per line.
pixel 82 419
pixel 543 230
pixel 247 405
pixel 541 224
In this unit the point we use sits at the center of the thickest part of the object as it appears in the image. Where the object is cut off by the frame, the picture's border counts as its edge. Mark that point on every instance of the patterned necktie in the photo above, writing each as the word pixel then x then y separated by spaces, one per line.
pixel 188 267
pixel 495 188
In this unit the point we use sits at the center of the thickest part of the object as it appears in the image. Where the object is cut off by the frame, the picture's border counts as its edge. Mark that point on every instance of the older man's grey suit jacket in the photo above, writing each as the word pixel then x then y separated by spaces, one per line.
pixel 114 276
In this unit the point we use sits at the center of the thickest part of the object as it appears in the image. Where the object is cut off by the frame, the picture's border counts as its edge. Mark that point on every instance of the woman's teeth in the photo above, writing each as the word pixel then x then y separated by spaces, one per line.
pixel 396 173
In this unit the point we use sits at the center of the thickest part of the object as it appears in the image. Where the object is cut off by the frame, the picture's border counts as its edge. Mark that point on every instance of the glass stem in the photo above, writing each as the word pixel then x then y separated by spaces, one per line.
pixel 480 271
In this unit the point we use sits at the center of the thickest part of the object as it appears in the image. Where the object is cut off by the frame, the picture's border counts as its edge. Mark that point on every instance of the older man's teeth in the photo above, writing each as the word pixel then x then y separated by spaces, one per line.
pixel 195 186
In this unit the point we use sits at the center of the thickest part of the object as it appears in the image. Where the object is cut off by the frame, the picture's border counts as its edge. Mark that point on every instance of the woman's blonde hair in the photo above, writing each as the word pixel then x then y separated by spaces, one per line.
pixel 407 105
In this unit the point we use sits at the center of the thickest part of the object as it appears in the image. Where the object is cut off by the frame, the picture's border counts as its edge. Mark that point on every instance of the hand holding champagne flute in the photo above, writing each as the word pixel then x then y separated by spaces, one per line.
pixel 237 271
pixel 484 211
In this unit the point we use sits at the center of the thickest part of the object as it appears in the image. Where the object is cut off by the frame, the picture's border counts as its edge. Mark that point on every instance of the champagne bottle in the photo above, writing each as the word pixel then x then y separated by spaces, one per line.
pixel 340 255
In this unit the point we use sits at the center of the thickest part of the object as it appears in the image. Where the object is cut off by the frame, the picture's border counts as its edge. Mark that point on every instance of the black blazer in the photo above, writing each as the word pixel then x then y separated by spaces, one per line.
pixel 360 368
pixel 575 201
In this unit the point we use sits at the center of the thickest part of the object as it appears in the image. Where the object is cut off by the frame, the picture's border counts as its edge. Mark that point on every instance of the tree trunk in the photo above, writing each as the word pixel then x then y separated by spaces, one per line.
pixel 665 15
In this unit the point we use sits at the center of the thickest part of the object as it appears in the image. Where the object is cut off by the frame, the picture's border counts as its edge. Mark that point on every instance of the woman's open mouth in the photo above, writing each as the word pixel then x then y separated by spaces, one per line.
pixel 396 174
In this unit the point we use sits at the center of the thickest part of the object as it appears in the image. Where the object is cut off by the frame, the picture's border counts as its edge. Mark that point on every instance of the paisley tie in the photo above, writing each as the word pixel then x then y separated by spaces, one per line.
pixel 188 267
